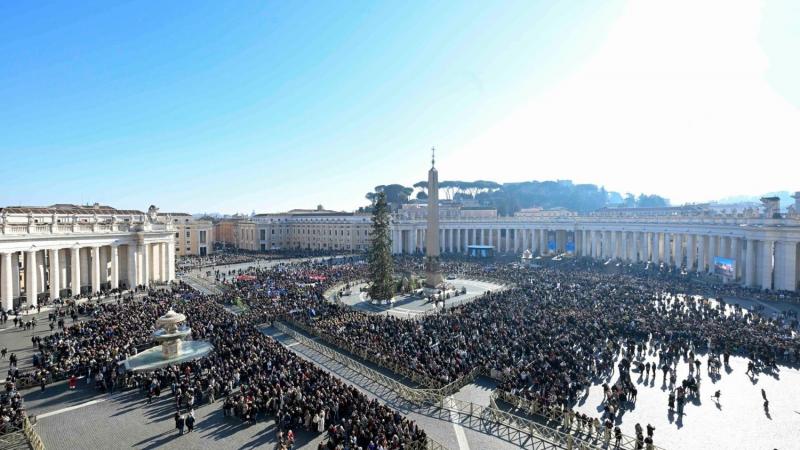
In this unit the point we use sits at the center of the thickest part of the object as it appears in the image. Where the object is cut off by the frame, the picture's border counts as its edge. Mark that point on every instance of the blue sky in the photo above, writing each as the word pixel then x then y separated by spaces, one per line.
pixel 205 106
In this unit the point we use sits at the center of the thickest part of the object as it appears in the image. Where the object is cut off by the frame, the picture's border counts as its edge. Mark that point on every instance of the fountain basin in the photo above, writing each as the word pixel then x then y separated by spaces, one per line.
pixel 153 358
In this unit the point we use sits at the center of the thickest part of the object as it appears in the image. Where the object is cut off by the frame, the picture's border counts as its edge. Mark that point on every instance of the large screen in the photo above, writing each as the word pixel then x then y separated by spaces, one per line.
pixel 725 267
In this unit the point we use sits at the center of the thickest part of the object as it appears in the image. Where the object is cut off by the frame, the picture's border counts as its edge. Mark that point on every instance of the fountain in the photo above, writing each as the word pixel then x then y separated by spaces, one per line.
pixel 172 349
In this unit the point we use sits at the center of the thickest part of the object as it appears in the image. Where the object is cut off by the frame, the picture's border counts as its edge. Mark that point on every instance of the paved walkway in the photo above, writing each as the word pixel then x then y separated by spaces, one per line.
pixel 737 422
pixel 85 419
pixel 409 306
pixel 17 340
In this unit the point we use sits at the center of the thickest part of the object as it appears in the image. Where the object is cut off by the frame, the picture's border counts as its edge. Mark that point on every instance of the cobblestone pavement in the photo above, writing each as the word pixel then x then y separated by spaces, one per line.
pixel 737 422
pixel 124 420
pixel 409 306
pixel 18 341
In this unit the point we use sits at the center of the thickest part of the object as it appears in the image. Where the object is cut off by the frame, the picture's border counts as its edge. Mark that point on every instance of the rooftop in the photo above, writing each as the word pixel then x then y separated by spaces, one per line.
pixel 66 208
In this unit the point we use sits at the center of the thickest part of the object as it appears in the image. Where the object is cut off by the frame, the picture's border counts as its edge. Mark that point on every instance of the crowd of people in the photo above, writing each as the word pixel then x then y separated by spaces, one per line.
pixel 258 378
pixel 561 329
pixel 556 332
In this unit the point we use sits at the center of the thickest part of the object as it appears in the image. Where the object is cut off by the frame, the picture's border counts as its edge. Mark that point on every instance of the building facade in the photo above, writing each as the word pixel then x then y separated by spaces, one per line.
pixel 762 244
pixel 193 237
pixel 313 229
pixel 62 250
pixel 244 232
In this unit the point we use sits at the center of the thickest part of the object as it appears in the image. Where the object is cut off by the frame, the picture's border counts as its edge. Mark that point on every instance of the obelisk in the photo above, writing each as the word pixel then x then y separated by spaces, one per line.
pixel 433 273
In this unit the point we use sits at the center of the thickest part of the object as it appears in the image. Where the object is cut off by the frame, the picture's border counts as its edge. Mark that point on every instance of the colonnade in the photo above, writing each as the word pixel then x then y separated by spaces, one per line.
pixel 760 259
pixel 62 272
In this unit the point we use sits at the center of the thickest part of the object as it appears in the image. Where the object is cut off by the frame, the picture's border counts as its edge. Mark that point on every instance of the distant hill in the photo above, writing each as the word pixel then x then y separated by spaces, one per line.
pixel 785 197
pixel 509 198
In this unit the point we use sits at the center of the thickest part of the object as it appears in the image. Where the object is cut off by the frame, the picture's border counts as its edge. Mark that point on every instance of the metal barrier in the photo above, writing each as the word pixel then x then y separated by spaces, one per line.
pixel 31 435
pixel 356 367
pixel 532 408
pixel 361 353
pixel 542 436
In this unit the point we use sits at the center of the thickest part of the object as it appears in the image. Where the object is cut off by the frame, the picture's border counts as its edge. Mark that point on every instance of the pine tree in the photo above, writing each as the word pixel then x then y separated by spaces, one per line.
pixel 381 266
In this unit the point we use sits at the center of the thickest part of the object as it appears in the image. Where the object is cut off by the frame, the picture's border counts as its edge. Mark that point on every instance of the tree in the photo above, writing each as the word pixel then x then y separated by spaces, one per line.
pixel 381 266
pixel 651 201
pixel 449 187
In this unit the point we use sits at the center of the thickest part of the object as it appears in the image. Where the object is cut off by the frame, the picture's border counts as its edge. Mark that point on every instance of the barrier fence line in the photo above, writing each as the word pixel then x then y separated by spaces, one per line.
pixel 534 409
pixel 545 436
pixel 355 366
pixel 31 435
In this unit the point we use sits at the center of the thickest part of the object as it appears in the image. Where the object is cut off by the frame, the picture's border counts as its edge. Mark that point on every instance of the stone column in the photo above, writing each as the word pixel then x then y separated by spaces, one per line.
pixel 667 249
pixel 86 268
pixel 750 262
pixel 132 266
pixel 63 278
pixel 677 240
pixel 171 261
pixel 6 283
pixel 41 276
pixel 712 252
pixel 701 252
pixel 145 264
pixel 75 270
pixel 400 244
pixel 31 282
pixel 15 274
pixel 624 243
pixel 114 266
pixel 545 245
pixel 155 262
pixel 691 248
pixel 765 265
pixel 644 246
pixel 95 269
pixel 164 262
pixel 55 274
pixel 785 266
pixel 616 245
pixel 736 252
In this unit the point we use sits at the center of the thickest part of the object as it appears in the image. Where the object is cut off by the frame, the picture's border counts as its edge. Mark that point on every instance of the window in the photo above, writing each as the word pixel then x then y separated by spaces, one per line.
pixel 188 234
pixel 202 236
pixel 177 235
pixel 263 236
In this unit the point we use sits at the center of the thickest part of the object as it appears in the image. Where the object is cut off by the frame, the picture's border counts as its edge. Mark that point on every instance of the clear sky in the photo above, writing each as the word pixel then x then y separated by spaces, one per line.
pixel 239 106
